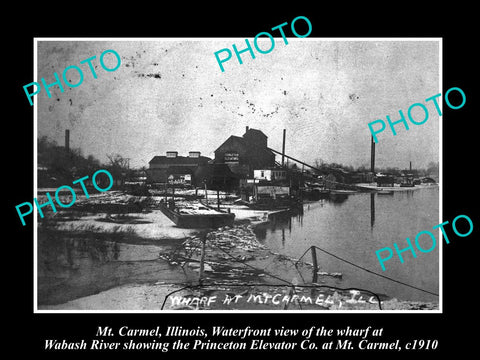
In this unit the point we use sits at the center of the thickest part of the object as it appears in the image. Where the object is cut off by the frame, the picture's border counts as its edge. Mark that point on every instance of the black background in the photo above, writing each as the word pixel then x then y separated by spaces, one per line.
pixel 455 329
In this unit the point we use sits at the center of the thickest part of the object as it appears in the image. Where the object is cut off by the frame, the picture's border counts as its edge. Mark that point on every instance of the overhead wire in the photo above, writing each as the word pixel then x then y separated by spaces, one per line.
pixel 368 270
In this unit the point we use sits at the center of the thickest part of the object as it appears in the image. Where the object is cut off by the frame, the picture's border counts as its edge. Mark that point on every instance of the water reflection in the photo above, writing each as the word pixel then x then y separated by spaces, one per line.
pixel 372 209
pixel 338 199
pixel 354 227
pixel 74 266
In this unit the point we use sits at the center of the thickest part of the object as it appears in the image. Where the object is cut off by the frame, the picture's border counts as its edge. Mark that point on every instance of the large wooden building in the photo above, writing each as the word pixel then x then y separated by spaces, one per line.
pixel 216 177
pixel 245 154
pixel 179 169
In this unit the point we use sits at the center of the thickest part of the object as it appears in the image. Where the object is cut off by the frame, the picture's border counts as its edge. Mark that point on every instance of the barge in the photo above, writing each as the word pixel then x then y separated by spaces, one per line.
pixel 199 217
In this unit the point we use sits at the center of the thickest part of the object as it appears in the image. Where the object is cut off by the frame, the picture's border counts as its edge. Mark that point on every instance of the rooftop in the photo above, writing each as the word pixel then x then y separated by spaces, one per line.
pixel 185 160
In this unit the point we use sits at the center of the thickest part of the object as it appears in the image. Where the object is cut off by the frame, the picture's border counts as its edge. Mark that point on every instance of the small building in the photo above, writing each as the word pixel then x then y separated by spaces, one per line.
pixel 272 174
pixel 385 180
pixel 407 180
pixel 179 175
pixel 362 177
pixel 171 164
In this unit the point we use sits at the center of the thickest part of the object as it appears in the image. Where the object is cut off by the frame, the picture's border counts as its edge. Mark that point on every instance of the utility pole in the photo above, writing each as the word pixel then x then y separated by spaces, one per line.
pixel 372 157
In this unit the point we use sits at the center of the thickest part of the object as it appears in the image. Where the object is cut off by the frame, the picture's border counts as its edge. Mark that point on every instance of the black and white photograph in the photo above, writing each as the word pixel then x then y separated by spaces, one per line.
pixel 214 180
pixel 212 175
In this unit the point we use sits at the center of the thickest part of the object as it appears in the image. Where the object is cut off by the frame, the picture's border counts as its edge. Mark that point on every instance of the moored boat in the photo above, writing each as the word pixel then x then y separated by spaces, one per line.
pixel 205 218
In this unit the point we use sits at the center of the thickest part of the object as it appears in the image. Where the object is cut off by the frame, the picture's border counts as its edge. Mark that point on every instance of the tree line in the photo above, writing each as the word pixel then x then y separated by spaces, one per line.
pixel 432 168
pixel 57 165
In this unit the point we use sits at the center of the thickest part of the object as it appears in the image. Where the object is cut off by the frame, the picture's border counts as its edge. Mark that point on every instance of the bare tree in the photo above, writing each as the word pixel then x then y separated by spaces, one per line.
pixel 118 161
pixel 119 167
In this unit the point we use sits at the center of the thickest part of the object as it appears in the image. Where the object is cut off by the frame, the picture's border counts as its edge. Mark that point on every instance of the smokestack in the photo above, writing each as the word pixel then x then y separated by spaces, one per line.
pixel 372 157
pixel 283 147
pixel 246 128
pixel 67 140
pixel 410 166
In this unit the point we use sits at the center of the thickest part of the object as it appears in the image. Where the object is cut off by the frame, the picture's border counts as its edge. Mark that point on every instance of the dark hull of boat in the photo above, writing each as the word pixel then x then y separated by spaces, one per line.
pixel 315 194
pixel 385 192
pixel 275 205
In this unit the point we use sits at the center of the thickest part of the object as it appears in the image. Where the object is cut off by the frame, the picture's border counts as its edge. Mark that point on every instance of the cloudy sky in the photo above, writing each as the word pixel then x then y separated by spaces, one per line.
pixel 169 94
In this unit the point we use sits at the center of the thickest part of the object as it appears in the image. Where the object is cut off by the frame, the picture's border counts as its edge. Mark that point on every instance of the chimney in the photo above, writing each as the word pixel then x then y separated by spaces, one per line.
pixel 372 157
pixel 67 140
pixel 246 128
pixel 410 166
pixel 283 147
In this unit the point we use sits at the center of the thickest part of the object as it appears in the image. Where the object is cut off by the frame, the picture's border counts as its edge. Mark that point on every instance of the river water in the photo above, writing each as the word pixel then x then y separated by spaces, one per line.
pixel 74 264
pixel 353 227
